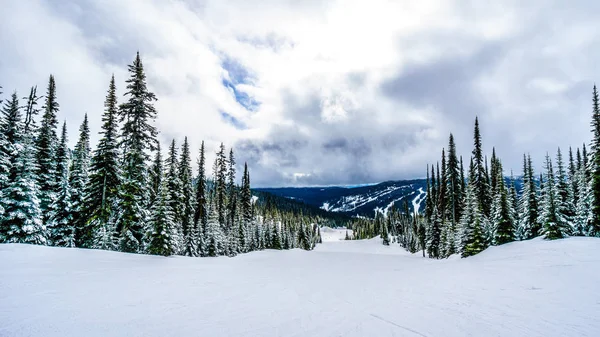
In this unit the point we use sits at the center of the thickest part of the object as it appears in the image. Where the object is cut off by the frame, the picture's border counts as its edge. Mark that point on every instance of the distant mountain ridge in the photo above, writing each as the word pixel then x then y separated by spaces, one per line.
pixel 365 199
pixel 362 200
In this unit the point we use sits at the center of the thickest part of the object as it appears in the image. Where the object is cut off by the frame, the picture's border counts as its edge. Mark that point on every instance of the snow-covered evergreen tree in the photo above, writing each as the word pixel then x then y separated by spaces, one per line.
pixel 161 222
pixel 246 211
pixel 473 239
pixel 513 199
pixel 220 181
pixel 79 179
pixel 156 174
pixel 594 170
pixel 528 218
pixel 554 225
pixel 480 182
pixel 583 214
pixel 214 237
pixel 565 205
pixel 189 231
pixel 200 211
pixel 384 232
pixel 11 129
pixel 434 235
pixel 175 197
pixel 573 192
pixel 60 221
pixel 46 142
pixel 503 227
pixel 22 218
pixel 138 138
pixel 101 192
pixel 454 196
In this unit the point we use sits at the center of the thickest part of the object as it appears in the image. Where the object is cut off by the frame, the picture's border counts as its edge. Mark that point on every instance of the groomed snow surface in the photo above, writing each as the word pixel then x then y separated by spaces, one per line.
pixel 343 288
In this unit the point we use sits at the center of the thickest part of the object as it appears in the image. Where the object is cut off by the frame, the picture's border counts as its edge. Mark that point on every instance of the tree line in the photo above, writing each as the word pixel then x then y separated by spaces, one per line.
pixel 123 195
pixel 468 211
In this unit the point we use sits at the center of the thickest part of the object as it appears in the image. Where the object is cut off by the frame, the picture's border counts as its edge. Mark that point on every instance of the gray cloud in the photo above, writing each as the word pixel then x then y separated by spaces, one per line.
pixel 339 104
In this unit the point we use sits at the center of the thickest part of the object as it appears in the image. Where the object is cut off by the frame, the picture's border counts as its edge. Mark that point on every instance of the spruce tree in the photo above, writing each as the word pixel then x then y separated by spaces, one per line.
pixel 190 234
pixel 11 129
pixel 246 210
pixel 220 176
pixel 554 225
pixel 594 170
pixel 565 205
pixel 454 197
pixel 583 214
pixel 138 137
pixel 60 221
pixel 428 198
pixel 453 180
pixel 528 219
pixel 102 190
pixel 231 190
pixel 214 235
pixel 573 194
pixel 46 143
pixel 480 183
pixel 201 212
pixel 22 218
pixel 175 197
pixel 494 173
pixel 514 204
pixel 385 233
pixel 463 182
pixel 434 235
pixel 501 217
pixel 433 190
pixel 78 180
pixel 156 175
pixel 472 237
pixel 161 222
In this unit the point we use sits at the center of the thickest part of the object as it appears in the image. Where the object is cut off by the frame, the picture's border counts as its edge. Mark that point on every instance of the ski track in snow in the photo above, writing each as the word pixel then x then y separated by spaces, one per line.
pixel 342 288
pixel 418 199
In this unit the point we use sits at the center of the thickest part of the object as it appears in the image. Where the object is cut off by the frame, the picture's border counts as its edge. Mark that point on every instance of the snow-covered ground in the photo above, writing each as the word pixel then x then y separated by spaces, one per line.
pixel 343 288
pixel 334 234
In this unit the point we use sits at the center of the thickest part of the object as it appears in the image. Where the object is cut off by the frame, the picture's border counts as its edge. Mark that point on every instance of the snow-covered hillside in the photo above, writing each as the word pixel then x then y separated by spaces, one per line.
pixel 358 200
pixel 343 288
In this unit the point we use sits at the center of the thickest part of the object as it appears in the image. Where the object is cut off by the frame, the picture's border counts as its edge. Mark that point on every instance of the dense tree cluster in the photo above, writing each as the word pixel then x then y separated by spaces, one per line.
pixel 466 212
pixel 123 195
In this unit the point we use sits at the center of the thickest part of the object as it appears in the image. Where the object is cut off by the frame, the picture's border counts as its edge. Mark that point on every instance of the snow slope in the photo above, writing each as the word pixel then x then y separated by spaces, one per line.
pixel 343 288
pixel 329 234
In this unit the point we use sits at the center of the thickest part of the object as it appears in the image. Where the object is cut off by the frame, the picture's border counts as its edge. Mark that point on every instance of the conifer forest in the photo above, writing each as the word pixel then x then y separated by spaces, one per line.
pixel 128 194
pixel 469 210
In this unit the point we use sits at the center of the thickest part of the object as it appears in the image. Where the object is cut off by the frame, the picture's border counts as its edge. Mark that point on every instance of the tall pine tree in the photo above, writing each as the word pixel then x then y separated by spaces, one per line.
pixel 190 234
pixel 78 179
pixel 138 138
pixel 46 143
pixel 60 223
pixel 102 190
pixel 594 225
pixel 201 210
pixel 480 182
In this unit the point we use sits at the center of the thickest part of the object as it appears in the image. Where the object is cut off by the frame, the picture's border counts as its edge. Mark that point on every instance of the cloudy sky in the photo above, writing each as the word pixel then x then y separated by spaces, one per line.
pixel 321 92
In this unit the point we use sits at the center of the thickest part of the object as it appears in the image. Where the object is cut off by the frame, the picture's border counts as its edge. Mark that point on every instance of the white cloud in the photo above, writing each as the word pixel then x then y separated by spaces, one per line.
pixel 317 69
